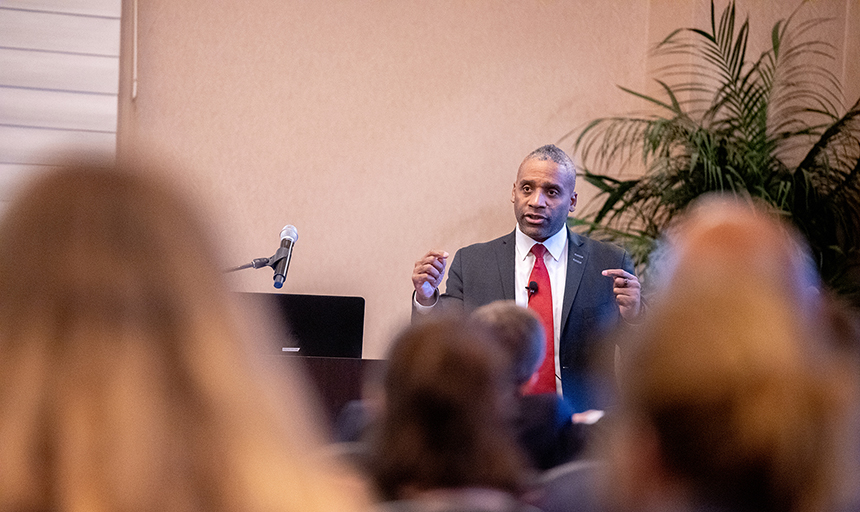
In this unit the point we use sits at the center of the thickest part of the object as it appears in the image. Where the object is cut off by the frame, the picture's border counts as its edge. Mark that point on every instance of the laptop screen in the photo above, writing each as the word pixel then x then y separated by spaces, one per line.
pixel 318 325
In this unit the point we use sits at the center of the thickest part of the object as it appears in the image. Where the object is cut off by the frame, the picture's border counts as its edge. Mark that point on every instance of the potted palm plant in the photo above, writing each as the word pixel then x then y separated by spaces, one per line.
pixel 771 128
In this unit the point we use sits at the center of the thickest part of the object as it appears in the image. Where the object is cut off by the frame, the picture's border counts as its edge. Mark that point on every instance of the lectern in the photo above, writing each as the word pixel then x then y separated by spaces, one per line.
pixel 326 333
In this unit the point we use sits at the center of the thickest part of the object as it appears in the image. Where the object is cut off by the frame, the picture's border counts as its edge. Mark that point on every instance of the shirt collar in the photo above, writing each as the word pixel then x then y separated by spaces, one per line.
pixel 554 244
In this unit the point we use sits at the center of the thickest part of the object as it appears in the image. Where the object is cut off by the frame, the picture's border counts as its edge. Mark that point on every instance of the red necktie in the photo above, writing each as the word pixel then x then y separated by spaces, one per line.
pixel 540 302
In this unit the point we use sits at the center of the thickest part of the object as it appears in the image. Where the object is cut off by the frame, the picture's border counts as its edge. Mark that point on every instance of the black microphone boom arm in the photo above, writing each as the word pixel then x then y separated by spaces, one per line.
pixel 257 263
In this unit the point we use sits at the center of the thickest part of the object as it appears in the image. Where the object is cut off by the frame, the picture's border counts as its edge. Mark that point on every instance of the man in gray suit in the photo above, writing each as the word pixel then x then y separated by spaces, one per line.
pixel 593 285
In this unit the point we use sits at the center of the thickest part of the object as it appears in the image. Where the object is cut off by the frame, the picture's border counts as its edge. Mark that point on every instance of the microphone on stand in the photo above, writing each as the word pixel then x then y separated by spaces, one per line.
pixel 532 288
pixel 281 259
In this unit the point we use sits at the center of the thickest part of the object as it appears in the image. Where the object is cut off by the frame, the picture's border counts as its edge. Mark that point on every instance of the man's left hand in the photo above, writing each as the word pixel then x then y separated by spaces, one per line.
pixel 627 292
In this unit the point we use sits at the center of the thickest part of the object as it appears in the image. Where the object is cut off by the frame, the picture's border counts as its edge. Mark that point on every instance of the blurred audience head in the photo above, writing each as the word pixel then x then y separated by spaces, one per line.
pixel 723 235
pixel 129 380
pixel 519 331
pixel 445 422
pixel 731 392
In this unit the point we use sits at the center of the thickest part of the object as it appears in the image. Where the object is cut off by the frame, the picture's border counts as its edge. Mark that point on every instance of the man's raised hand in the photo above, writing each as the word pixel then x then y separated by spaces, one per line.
pixel 427 276
pixel 627 292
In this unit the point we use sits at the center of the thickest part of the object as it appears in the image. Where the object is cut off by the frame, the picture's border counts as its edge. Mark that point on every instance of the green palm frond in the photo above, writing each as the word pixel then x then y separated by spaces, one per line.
pixel 726 122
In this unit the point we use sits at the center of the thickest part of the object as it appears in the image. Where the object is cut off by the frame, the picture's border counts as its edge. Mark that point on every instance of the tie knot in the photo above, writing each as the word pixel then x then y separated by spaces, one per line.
pixel 538 250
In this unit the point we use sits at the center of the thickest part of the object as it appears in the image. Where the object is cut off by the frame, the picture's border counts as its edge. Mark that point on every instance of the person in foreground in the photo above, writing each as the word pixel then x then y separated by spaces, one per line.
pixel 543 421
pixel 443 442
pixel 732 397
pixel 129 380
pixel 579 287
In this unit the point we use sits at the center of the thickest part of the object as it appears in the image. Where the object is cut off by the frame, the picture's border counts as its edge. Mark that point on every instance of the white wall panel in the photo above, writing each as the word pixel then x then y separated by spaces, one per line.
pixel 42 145
pixel 59 32
pixel 110 8
pixel 54 109
pixel 58 71
pixel 59 79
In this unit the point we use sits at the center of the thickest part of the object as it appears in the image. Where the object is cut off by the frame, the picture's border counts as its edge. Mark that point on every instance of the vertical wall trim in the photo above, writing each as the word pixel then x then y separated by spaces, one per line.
pixel 134 56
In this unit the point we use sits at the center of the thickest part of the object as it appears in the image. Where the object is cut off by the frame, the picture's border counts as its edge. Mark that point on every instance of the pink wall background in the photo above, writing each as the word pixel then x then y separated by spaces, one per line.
pixel 382 129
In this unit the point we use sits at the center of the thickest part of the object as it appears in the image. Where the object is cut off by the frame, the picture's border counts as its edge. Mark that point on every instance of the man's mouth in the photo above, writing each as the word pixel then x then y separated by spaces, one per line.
pixel 534 218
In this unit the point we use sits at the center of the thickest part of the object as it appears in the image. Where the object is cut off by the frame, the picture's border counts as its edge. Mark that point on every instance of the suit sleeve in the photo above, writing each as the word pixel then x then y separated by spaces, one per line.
pixel 453 296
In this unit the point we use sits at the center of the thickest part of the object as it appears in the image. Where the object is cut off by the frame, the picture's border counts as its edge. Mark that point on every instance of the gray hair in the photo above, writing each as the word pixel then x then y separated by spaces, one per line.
pixel 554 153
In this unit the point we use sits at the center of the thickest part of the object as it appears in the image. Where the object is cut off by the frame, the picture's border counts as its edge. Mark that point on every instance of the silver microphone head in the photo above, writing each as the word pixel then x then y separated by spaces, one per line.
pixel 289 233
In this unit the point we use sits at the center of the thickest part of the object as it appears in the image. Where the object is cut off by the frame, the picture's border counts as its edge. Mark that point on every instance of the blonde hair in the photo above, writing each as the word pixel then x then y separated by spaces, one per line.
pixel 127 379
pixel 734 371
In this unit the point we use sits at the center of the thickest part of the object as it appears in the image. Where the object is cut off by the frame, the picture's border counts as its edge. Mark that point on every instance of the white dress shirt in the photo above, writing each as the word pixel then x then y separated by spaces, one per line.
pixel 556 265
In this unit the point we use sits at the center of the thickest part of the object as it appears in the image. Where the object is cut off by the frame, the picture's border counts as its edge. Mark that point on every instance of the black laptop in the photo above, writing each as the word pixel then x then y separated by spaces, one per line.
pixel 318 325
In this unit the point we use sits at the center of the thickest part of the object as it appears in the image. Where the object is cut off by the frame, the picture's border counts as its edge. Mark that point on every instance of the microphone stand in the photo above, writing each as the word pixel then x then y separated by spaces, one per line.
pixel 280 254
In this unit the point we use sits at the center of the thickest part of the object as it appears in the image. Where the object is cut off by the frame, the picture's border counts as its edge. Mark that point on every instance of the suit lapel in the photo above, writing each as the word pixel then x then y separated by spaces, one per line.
pixel 576 258
pixel 505 259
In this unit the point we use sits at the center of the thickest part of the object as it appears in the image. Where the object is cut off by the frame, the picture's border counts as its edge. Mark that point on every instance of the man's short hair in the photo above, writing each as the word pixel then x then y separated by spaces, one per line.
pixel 554 153
pixel 519 331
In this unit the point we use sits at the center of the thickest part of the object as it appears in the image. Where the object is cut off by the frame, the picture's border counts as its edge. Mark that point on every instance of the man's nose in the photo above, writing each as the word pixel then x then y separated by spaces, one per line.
pixel 538 199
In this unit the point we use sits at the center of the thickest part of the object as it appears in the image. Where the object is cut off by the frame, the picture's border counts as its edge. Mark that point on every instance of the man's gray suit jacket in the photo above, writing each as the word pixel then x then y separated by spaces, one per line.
pixel 484 272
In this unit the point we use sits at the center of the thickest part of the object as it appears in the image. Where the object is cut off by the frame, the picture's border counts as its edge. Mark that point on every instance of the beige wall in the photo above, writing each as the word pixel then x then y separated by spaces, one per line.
pixel 379 129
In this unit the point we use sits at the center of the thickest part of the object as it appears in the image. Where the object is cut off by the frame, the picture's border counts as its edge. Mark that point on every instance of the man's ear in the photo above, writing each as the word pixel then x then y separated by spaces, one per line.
pixel 514 193
pixel 573 199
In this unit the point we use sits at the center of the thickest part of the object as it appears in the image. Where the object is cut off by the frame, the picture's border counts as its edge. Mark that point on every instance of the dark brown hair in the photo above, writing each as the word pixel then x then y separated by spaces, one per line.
pixel 445 422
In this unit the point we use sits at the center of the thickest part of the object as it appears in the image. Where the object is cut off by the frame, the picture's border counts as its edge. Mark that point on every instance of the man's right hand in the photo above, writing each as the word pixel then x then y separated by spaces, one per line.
pixel 427 276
